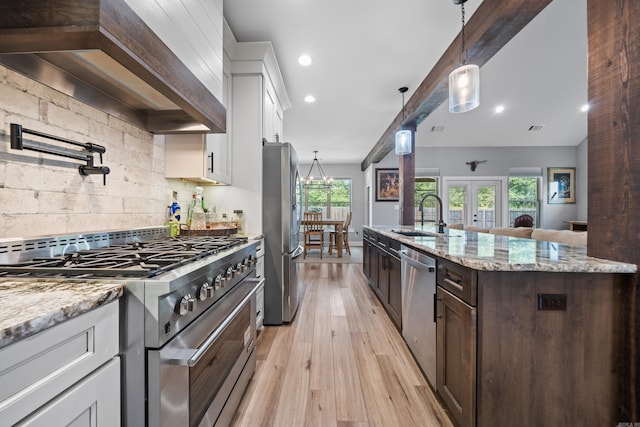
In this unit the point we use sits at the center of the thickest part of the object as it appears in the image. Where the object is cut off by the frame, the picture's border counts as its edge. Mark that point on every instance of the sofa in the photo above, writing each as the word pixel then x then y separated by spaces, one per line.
pixel 567 237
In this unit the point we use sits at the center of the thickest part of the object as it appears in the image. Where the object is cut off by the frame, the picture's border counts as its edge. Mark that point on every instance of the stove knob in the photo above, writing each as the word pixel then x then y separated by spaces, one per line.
pixel 187 304
pixel 230 272
pixel 244 265
pixel 217 283
pixel 206 291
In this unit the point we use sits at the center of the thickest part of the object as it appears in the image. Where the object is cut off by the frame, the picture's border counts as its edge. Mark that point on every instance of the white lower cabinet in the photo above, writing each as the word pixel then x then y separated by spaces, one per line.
pixel 67 375
pixel 93 402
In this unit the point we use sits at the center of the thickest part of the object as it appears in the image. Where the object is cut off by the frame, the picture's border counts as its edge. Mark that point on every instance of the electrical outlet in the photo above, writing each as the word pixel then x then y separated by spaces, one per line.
pixel 552 302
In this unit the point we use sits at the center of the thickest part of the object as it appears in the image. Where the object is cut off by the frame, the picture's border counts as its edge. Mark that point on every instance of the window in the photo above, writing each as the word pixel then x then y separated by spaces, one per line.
pixel 426 185
pixel 523 197
pixel 334 203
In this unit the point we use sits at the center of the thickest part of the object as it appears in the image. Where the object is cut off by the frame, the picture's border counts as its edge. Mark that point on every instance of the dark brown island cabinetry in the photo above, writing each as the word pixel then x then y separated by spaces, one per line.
pixel 528 348
pixel 456 327
pixel 382 266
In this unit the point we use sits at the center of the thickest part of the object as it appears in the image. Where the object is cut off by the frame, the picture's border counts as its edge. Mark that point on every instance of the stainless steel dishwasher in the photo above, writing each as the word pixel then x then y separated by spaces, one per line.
pixel 418 308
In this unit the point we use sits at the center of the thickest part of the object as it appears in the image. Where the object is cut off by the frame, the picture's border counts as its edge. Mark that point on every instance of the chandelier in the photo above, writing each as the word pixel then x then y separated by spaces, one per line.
pixel 317 182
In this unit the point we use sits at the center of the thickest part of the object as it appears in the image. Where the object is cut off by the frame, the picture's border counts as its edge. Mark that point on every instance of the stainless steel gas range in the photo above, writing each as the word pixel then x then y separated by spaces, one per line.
pixel 188 317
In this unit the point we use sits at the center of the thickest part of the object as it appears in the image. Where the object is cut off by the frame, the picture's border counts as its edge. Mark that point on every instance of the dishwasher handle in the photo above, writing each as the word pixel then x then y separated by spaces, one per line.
pixel 415 263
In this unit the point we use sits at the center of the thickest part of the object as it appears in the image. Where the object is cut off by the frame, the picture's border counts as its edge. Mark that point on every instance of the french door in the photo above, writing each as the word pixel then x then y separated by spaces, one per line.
pixel 474 202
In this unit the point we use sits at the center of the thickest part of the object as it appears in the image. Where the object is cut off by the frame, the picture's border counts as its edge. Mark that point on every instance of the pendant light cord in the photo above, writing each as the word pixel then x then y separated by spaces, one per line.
pixel 463 57
pixel 402 111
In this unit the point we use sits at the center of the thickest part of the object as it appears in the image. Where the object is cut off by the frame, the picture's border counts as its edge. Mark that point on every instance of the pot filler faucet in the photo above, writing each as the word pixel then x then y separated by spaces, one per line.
pixel 441 223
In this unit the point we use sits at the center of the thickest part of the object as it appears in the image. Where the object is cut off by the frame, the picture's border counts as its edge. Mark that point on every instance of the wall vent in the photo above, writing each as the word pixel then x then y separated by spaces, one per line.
pixel 535 128
pixel 437 128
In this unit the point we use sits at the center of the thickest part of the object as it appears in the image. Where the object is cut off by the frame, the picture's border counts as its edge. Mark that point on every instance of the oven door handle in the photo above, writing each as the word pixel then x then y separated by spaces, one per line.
pixel 190 357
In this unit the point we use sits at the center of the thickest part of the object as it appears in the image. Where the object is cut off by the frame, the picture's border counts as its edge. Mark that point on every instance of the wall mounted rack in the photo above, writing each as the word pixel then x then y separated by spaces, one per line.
pixel 86 155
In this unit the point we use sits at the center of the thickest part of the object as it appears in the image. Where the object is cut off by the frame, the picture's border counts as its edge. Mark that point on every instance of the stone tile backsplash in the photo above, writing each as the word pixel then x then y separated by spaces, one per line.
pixel 42 194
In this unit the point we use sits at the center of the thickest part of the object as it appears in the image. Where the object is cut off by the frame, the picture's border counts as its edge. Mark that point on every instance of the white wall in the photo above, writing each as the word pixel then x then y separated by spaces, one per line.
pixel 451 162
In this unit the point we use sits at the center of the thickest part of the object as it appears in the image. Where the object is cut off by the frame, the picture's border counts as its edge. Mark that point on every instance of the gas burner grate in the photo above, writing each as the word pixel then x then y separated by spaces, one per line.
pixel 136 259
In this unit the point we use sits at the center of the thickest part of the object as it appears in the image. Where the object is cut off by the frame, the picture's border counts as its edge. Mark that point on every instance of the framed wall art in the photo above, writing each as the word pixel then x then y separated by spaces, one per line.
pixel 387 185
pixel 561 185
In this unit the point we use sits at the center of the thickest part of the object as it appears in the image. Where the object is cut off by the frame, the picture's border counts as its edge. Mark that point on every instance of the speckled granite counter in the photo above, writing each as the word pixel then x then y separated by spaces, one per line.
pixel 482 251
pixel 28 307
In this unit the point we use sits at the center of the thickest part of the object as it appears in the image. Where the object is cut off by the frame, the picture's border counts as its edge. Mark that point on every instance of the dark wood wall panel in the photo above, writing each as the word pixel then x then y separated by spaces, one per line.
pixel 614 162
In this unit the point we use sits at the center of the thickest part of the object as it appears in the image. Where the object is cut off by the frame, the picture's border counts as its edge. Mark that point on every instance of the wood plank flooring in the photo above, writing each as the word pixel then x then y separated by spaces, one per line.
pixel 341 362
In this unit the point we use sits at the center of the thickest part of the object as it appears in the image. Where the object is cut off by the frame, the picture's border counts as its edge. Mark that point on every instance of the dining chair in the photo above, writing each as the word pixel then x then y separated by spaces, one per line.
pixel 313 232
pixel 523 221
pixel 333 235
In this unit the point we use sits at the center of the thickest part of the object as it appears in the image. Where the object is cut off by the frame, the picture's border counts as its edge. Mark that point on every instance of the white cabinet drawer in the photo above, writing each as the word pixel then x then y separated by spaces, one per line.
pixel 36 369
pixel 93 402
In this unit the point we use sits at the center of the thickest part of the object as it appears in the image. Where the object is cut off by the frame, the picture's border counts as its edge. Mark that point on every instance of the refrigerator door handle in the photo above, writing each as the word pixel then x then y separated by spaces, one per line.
pixel 297 252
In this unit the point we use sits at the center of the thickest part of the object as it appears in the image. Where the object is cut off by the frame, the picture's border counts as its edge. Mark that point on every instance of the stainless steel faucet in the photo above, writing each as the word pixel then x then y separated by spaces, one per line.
pixel 441 223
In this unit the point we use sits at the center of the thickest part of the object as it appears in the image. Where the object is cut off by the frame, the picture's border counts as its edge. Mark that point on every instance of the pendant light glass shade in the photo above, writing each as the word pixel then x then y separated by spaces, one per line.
pixel 403 136
pixel 403 142
pixel 464 88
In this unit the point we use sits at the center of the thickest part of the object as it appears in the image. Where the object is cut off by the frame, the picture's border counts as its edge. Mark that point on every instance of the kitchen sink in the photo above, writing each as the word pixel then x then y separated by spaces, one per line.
pixel 411 233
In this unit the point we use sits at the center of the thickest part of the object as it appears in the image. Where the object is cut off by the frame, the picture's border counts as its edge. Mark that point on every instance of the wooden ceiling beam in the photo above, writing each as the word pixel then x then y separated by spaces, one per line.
pixel 493 24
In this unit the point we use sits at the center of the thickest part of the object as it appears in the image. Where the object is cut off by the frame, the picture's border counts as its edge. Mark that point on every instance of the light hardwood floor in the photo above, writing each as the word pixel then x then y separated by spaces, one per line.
pixel 341 362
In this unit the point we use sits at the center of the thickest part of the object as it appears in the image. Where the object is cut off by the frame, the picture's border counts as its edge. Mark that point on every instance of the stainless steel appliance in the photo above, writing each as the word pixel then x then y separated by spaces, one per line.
pixel 188 318
pixel 418 308
pixel 281 217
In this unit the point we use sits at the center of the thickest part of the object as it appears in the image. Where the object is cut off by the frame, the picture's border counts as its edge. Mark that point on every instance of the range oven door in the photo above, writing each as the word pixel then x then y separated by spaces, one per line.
pixel 198 378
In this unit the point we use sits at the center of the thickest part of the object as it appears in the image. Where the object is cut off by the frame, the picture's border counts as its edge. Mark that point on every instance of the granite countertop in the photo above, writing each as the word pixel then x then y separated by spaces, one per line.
pixel 31 306
pixel 482 251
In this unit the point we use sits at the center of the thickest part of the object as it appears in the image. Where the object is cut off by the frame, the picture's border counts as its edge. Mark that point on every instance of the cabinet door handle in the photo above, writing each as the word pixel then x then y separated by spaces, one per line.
pixel 435 307
pixel 454 284
pixel 211 162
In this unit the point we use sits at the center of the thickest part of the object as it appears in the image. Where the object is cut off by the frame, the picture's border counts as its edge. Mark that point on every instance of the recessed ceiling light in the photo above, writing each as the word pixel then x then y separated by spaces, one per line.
pixel 309 98
pixel 584 108
pixel 304 60
pixel 499 109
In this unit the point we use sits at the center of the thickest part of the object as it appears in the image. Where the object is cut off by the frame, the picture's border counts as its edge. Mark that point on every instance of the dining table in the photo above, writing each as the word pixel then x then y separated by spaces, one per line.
pixel 337 224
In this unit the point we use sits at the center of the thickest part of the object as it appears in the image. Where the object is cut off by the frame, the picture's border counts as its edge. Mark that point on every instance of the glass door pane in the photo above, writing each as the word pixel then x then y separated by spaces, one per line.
pixel 485 196
pixel 457 212
pixel 473 202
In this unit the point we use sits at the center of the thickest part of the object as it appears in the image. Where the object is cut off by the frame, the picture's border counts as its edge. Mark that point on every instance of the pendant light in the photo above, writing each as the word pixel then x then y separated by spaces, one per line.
pixel 403 136
pixel 464 81
pixel 322 182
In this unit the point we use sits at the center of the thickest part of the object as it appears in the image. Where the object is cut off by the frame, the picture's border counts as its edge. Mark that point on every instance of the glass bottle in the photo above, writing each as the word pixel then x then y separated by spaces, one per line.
pixel 198 220
pixel 239 220
pixel 174 210
pixel 174 216
pixel 190 210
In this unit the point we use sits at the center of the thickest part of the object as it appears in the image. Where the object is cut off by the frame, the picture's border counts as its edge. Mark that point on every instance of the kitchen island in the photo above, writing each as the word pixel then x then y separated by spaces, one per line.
pixel 528 332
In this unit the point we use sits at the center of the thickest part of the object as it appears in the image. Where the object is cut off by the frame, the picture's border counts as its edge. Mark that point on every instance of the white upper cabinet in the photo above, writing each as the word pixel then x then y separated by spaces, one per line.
pixel 193 30
pixel 272 114
pixel 201 158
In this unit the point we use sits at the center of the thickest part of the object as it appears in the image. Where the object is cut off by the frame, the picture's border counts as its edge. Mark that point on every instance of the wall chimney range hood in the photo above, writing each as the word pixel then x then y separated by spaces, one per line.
pixel 101 53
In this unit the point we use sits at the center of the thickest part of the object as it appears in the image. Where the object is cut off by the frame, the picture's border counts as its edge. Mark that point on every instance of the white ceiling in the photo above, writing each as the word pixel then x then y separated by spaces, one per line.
pixel 364 51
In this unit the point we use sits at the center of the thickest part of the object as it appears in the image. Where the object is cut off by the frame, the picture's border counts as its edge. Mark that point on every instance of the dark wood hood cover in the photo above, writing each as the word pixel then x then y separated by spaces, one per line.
pixel 101 53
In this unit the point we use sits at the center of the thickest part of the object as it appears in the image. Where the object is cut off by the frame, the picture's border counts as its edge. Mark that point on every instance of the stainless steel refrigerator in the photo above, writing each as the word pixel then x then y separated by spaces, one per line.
pixel 281 217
